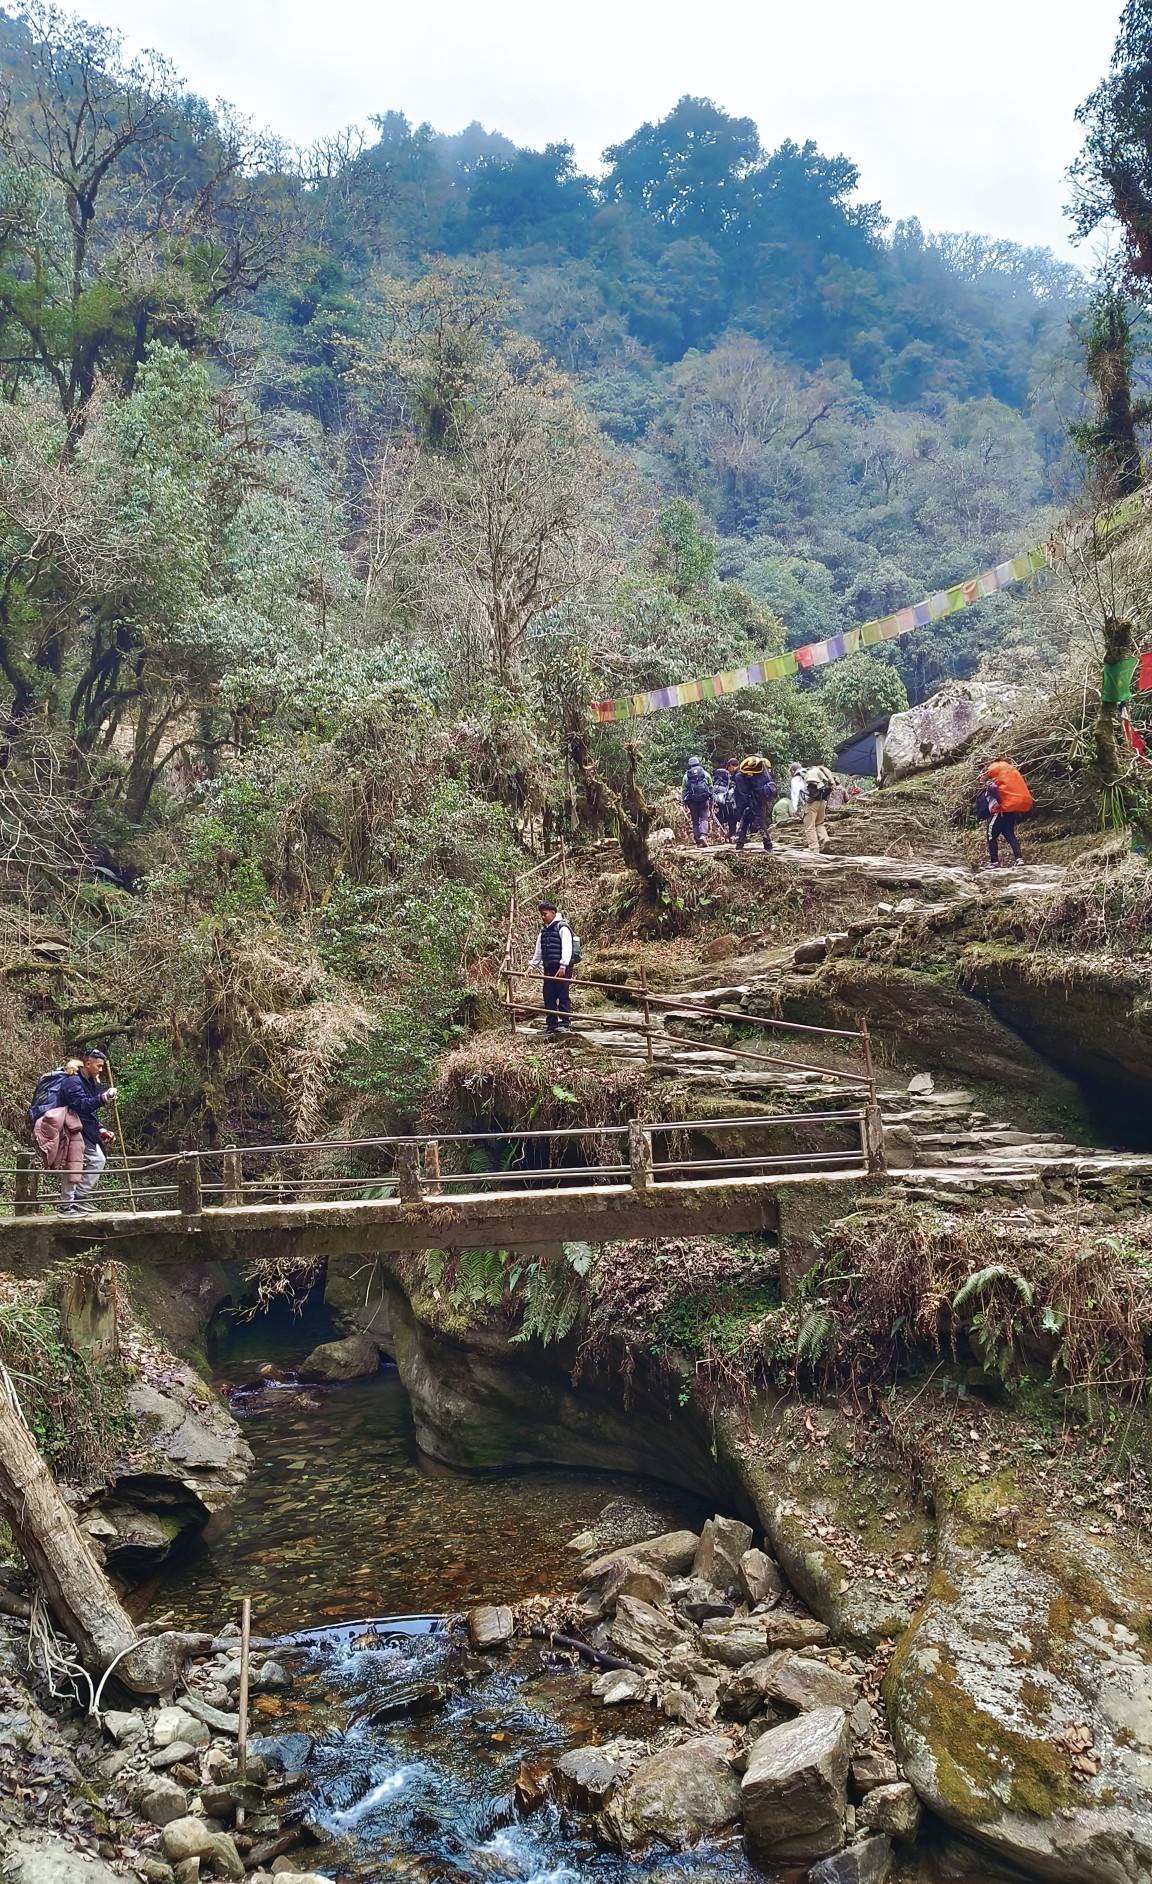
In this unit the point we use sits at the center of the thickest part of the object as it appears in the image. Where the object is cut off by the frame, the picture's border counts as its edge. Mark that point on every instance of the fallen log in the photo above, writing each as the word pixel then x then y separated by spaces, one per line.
pixel 80 1598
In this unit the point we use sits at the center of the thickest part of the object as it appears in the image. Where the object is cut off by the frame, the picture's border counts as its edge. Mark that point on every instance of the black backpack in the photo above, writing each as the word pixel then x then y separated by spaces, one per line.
pixel 46 1095
pixel 983 806
pixel 697 785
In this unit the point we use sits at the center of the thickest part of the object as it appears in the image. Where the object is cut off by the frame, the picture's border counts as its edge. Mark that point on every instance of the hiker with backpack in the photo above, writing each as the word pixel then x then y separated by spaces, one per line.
pixel 557 953
pixel 819 784
pixel 82 1093
pixel 1003 799
pixel 696 798
pixel 755 795
pixel 724 799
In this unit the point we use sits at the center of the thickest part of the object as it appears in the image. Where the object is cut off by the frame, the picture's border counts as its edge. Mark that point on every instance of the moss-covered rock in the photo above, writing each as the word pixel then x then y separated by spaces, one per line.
pixel 1022 1672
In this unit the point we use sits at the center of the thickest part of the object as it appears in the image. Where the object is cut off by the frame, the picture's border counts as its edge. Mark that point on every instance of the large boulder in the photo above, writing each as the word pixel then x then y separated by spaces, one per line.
pixel 940 729
pixel 357 1357
pixel 680 1795
pixel 869 1862
pixel 671 1553
pixel 794 1793
pixel 1021 1699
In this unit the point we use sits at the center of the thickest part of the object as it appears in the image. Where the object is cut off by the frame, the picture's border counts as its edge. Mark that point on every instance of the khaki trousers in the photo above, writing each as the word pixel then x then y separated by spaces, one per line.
pixel 815 824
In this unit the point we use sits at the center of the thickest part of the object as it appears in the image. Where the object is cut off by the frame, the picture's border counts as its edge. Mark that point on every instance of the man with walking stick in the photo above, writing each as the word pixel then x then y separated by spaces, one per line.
pixel 84 1093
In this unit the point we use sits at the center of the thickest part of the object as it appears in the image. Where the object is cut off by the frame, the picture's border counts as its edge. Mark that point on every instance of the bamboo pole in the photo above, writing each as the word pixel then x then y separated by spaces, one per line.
pixel 120 1133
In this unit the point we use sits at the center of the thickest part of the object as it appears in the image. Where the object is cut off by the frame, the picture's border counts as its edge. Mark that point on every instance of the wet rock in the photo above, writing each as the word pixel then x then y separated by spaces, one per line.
pixel 270 1678
pixel 723 1542
pixel 491 1626
pixel 532 1782
pixel 760 1578
pixel 700 1609
pixel 799 1682
pixel 584 1780
pixel 894 1809
pixel 794 1793
pixel 680 1795
pixel 415 1697
pixel 213 1718
pixel 161 1804
pixel 869 1862
pixel 813 951
pixel 617 1686
pixel 287 1752
pixel 671 1553
pixel 124 1726
pixel 643 1634
pixel 357 1357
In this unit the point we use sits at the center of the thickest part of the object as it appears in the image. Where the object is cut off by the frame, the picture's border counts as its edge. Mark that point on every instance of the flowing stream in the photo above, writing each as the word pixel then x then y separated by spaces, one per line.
pixel 411 1746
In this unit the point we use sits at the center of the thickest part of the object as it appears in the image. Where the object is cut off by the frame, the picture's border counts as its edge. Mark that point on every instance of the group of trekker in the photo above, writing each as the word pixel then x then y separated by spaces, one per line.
pixel 741 796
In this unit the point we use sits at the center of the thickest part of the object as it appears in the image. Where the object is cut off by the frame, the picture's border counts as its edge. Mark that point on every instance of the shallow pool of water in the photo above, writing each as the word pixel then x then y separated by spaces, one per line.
pixel 342 1517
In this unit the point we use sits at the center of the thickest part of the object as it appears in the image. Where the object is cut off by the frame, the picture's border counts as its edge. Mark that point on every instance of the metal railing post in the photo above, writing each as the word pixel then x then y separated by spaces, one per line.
pixel 408 1167
pixel 189 1186
pixel 640 1156
pixel 26 1185
pixel 233 1178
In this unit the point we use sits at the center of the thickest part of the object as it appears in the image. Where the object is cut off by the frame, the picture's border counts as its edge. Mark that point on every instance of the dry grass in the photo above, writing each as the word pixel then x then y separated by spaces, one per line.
pixel 1054 1299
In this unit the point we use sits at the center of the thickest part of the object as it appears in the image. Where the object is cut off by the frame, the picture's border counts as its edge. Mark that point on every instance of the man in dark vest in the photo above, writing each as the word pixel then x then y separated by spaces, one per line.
pixel 554 956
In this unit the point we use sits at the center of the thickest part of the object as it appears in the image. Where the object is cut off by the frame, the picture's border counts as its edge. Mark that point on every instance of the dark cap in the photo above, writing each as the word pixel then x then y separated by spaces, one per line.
pixel 94 1053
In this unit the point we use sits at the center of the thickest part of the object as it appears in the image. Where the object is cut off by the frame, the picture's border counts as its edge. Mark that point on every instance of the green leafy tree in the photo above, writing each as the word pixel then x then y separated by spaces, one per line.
pixel 859 689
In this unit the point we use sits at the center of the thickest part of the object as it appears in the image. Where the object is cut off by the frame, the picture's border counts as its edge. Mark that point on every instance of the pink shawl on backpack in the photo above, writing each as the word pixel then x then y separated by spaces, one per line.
pixel 60 1137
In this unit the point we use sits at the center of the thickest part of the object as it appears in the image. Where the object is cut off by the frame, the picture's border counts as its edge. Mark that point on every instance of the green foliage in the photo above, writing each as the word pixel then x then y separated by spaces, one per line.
pixel 860 689
pixel 76 1408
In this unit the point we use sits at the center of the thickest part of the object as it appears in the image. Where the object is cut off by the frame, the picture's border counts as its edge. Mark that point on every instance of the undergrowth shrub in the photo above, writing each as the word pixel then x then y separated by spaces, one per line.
pixel 1060 1302
pixel 77 1408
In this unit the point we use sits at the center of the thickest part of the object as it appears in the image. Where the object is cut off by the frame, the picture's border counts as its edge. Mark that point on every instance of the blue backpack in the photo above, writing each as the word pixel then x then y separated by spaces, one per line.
pixel 46 1096
pixel 697 785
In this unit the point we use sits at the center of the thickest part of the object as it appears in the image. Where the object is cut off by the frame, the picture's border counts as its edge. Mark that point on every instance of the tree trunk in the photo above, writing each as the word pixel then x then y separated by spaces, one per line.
pixel 79 1595
pixel 1119 645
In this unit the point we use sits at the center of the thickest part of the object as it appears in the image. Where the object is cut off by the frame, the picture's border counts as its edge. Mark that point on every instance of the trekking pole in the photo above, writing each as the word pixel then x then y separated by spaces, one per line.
pixel 120 1135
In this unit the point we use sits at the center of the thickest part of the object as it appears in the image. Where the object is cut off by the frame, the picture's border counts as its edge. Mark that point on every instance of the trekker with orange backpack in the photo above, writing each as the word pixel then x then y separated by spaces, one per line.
pixel 1008 799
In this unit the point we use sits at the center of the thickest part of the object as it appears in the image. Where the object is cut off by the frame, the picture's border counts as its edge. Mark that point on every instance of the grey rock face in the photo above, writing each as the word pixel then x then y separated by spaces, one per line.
pixel 619 1685
pixel 357 1357
pixel 490 1626
pixel 680 1795
pixel 671 1553
pixel 794 1792
pixel 799 1682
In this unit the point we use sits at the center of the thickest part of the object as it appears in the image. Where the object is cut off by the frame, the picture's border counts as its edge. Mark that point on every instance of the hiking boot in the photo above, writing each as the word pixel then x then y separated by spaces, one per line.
pixel 85 1209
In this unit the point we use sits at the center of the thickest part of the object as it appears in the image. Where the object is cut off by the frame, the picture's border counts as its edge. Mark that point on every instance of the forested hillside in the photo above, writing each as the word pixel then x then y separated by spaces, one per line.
pixel 334 484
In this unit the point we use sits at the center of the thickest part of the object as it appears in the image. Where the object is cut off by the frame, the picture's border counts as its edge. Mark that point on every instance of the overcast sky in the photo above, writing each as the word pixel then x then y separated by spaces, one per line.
pixel 959 113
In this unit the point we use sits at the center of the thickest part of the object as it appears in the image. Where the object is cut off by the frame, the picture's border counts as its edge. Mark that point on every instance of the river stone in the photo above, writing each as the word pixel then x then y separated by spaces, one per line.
pixel 164 1803
pixel 302 1877
pixel 1008 1650
pixel 671 1552
pixel 873 1769
pixel 723 1542
pixel 734 1641
pixel 171 1755
pixel 584 1780
pixel 894 1809
pixel 760 1578
pixel 355 1358
pixel 172 1723
pixel 868 1862
pixel 631 1577
pixel 680 1794
pixel 794 1792
pixel 618 1685
pixel 798 1681
pixel 124 1726
pixel 491 1626
pixel 643 1634
pixel 782 1630
pixel 186 1838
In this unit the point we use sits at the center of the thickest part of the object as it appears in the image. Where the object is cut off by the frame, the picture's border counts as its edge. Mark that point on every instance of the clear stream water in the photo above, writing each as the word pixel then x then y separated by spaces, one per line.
pixel 342 1519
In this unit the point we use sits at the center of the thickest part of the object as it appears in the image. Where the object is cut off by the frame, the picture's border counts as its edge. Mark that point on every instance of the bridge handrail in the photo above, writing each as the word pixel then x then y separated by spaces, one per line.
pixel 676 1002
